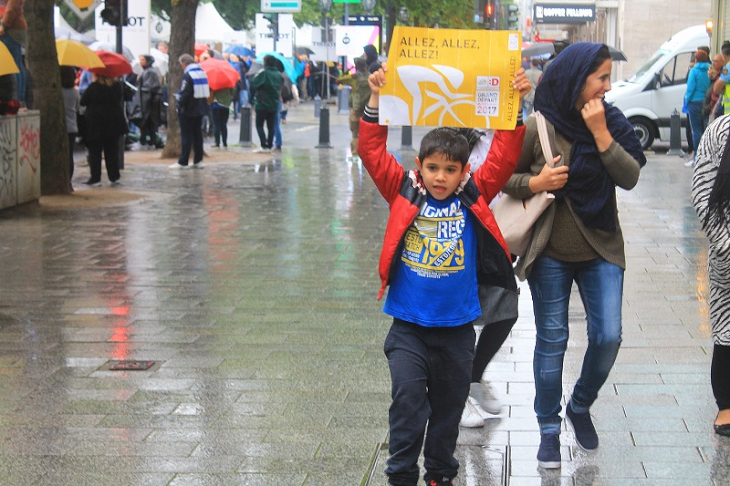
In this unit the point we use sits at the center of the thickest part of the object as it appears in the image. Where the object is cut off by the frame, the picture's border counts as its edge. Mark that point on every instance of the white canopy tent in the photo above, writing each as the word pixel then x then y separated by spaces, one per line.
pixel 210 28
pixel 209 25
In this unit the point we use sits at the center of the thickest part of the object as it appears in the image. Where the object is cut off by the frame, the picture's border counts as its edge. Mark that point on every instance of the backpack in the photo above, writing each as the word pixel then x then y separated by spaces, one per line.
pixel 286 92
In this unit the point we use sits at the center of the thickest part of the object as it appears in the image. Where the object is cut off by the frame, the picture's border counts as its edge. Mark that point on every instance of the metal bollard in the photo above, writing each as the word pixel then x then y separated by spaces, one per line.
pixel 675 135
pixel 406 138
pixel 244 138
pixel 324 128
pixel 343 100
pixel 317 106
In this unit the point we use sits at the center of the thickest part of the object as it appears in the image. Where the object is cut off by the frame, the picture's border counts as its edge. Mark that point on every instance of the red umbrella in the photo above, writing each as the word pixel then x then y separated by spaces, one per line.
pixel 115 65
pixel 220 73
pixel 200 48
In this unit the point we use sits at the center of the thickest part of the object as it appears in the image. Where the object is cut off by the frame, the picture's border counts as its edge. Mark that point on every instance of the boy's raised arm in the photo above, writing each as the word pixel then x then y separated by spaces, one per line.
pixel 376 80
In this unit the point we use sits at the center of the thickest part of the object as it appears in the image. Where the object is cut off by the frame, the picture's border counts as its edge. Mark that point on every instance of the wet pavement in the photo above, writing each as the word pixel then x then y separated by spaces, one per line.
pixel 245 292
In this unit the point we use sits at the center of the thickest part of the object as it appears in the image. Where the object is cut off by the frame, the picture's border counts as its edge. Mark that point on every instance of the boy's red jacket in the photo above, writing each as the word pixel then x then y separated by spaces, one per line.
pixel 405 193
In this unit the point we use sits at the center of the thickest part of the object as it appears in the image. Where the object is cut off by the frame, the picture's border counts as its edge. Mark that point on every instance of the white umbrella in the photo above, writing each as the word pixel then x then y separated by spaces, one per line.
pixel 105 46
pixel 161 62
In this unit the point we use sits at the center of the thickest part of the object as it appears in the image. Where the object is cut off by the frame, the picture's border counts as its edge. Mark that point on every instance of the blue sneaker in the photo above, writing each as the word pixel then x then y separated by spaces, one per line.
pixel 585 432
pixel 548 455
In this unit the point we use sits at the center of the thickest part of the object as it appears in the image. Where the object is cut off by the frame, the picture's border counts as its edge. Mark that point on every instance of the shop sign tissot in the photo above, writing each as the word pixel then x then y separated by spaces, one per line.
pixel 564 13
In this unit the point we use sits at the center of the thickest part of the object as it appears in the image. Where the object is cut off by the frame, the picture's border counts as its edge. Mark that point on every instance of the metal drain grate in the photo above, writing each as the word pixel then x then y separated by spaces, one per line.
pixel 131 365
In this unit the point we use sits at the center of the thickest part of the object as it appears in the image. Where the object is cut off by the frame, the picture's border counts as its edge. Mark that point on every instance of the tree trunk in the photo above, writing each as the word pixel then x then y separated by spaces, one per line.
pixel 42 63
pixel 182 40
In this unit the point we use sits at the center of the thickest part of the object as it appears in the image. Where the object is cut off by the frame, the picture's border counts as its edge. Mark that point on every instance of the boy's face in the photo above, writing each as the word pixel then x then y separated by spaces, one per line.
pixel 441 175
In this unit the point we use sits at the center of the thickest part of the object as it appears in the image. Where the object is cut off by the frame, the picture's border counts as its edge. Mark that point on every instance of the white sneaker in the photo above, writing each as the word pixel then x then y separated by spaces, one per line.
pixel 484 395
pixel 470 417
pixel 262 151
pixel 178 166
pixel 690 162
pixel 199 165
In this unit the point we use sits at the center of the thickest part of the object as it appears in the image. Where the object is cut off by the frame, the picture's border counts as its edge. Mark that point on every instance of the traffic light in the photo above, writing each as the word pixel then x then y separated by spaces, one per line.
pixel 273 19
pixel 115 12
pixel 513 18
pixel 489 14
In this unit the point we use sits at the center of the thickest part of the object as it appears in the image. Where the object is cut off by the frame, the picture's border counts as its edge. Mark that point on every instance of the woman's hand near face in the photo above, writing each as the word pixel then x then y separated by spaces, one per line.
pixel 594 115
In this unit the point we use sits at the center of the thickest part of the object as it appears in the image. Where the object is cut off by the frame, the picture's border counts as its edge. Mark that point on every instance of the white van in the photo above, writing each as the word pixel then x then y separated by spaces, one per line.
pixel 649 97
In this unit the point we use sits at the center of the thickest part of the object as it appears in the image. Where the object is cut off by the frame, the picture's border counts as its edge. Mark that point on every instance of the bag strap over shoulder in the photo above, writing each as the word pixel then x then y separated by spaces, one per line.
pixel 542 132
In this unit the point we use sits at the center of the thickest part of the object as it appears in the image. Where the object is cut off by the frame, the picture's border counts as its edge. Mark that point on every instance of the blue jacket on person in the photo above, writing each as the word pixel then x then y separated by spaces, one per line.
pixel 192 99
pixel 697 83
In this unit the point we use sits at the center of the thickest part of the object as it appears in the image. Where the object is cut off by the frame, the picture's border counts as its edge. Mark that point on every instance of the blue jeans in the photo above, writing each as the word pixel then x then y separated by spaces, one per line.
pixel 697 121
pixel 430 370
pixel 277 127
pixel 600 284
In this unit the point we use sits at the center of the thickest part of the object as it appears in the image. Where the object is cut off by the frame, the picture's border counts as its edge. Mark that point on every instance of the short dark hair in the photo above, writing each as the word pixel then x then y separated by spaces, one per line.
pixel 725 49
pixel 269 61
pixel 447 141
pixel 68 76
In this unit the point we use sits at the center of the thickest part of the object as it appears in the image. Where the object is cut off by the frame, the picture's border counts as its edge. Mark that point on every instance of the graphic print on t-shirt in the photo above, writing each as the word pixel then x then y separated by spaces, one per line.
pixel 433 245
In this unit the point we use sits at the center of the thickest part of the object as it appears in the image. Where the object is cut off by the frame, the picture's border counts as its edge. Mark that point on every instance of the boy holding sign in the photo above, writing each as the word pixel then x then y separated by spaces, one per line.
pixel 443 257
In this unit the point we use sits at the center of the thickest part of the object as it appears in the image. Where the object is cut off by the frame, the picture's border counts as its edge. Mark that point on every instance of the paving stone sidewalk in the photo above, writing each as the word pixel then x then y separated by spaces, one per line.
pixel 249 288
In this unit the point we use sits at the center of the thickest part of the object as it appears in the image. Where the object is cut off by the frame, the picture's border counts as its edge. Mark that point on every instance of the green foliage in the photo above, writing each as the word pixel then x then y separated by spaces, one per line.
pixel 241 14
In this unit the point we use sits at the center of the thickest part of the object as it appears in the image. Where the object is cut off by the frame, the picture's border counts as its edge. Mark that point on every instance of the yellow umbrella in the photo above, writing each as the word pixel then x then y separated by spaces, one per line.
pixel 72 53
pixel 7 64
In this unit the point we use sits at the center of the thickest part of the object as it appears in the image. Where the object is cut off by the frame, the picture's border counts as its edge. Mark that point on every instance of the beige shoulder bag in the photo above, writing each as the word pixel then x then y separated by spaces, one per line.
pixel 516 217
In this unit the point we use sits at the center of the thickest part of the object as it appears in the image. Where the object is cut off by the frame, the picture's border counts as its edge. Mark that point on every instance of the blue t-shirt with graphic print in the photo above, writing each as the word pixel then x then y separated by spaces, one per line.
pixel 435 281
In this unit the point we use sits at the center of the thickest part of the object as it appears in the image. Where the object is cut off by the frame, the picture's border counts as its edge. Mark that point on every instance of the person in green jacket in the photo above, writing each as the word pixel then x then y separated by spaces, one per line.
pixel 266 92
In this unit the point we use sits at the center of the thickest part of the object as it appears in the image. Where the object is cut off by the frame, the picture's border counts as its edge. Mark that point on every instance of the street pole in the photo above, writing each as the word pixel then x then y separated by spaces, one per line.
pixel 120 50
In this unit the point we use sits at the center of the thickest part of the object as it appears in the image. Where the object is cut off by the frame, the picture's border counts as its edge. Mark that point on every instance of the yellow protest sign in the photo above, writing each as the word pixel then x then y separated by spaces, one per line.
pixel 449 77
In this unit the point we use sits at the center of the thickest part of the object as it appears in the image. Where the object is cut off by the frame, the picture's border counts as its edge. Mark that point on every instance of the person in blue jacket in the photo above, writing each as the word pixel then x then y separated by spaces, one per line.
pixel 694 97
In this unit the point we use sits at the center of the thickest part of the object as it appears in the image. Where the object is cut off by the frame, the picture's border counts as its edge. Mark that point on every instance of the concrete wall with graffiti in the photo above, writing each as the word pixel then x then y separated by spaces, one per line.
pixel 20 158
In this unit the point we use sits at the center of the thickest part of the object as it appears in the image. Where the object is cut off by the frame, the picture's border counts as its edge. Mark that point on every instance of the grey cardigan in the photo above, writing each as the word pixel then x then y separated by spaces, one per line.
pixel 622 168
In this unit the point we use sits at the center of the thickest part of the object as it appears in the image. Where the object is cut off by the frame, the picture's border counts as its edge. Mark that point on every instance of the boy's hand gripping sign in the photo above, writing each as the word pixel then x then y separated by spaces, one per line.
pixel 449 77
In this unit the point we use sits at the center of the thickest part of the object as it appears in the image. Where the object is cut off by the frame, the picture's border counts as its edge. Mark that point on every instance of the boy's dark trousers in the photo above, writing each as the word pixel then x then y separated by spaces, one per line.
pixel 430 369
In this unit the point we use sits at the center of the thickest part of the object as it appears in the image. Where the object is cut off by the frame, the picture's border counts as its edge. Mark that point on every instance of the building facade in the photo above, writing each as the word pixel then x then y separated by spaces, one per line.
pixel 636 27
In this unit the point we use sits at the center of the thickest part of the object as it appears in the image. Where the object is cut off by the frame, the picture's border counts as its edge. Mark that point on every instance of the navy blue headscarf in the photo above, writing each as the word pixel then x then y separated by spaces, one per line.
pixel 590 188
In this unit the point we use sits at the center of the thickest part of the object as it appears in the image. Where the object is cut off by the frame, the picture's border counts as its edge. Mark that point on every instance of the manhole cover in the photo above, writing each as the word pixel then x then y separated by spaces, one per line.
pixel 131 365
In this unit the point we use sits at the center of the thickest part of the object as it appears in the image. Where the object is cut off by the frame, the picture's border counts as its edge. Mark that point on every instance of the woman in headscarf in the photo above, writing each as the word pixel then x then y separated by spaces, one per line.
pixel 711 199
pixel 150 99
pixel 578 238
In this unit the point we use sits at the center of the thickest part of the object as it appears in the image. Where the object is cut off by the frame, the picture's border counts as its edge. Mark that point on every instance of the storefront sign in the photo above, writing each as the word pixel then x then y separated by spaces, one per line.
pixel 566 13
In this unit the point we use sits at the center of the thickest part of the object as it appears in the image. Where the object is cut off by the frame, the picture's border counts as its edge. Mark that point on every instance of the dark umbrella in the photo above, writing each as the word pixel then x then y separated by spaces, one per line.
pixel 538 49
pixel 616 54
pixel 304 50
pixel 543 48
pixel 254 69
